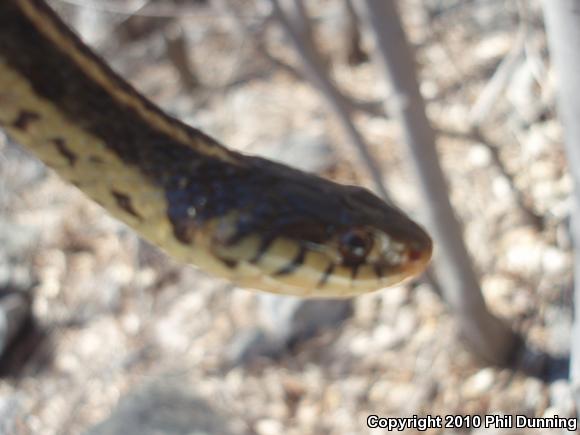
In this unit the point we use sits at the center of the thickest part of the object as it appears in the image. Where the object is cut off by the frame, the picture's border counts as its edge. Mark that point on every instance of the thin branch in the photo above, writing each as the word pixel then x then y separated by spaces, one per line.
pixel 563 31
pixel 316 73
pixel 355 54
pixel 488 337
pixel 167 11
pixel 229 8
pixel 476 135
pixel 297 15
pixel 485 104
pixel 492 91
pixel 177 52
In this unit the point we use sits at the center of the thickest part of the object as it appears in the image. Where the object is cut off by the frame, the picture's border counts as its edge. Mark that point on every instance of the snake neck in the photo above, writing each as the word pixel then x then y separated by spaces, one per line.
pixel 67 83
pixel 61 101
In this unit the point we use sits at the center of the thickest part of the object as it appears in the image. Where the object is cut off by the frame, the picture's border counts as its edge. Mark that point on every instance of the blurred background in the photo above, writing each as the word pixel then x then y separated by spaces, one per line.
pixel 107 335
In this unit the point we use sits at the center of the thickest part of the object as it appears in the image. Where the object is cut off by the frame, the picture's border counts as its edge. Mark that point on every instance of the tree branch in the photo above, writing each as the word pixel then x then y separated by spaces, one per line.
pixel 488 337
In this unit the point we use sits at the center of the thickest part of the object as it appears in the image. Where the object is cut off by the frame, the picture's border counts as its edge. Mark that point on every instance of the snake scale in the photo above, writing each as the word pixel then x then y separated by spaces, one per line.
pixel 259 223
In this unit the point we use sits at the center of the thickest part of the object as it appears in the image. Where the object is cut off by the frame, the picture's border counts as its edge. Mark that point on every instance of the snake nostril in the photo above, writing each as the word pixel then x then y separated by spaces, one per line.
pixel 415 254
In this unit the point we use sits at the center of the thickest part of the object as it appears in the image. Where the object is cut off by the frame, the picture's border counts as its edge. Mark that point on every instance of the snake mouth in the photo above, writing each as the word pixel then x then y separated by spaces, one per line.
pixel 418 258
pixel 314 274
pixel 325 269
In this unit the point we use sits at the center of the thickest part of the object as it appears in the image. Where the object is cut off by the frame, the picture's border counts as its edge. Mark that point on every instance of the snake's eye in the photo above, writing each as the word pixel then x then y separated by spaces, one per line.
pixel 354 246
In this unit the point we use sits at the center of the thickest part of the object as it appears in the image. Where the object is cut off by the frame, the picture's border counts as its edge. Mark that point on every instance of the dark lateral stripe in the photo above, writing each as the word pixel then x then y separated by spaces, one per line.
pixel 236 238
pixel 294 264
pixel 25 117
pixel 326 275
pixel 379 271
pixel 354 271
pixel 96 160
pixel 232 264
pixel 64 151
pixel 124 202
pixel 184 231
pixel 263 248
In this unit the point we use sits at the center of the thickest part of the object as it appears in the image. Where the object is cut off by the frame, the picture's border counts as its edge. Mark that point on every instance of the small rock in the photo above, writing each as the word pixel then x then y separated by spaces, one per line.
pixel 536 143
pixel 388 337
pixel 523 250
pixel 9 413
pixel 534 395
pixel 560 332
pixel 162 407
pixel 522 92
pixel 359 345
pixel 501 188
pixel 269 427
pixel 561 398
pixel 394 298
pixel 291 319
pixel 385 337
pixel 425 393
pixel 406 322
pixel 522 302
pixel 251 344
pixel 554 260
pixel 479 383
pixel 479 156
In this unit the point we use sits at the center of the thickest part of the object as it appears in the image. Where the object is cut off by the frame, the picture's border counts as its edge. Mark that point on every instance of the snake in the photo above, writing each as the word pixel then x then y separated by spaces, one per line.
pixel 258 223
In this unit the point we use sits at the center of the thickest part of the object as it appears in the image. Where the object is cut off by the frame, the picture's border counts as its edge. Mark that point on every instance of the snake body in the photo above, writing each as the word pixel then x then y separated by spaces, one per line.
pixel 259 223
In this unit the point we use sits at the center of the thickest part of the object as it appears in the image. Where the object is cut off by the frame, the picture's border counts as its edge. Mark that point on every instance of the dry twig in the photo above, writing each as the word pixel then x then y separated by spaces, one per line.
pixel 563 29
pixel 488 337
pixel 315 71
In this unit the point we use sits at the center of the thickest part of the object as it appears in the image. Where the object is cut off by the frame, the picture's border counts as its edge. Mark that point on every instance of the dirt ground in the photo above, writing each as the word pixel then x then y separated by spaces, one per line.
pixel 131 342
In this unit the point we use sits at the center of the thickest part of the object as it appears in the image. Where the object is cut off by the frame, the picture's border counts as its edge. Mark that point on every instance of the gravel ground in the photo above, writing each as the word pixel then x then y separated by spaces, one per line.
pixel 128 341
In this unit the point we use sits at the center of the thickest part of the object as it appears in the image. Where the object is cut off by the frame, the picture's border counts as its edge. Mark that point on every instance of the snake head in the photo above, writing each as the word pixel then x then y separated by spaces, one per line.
pixel 380 243
pixel 299 234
